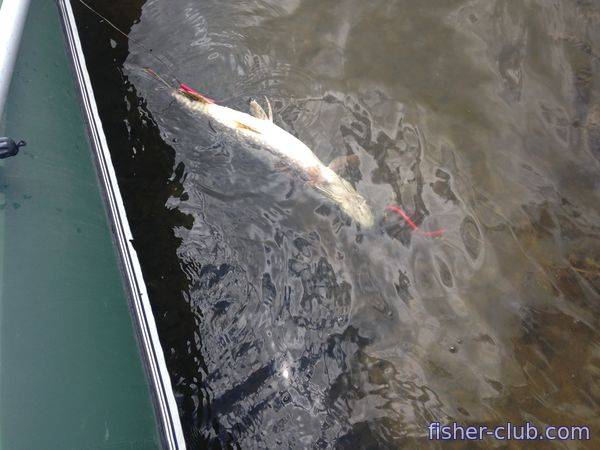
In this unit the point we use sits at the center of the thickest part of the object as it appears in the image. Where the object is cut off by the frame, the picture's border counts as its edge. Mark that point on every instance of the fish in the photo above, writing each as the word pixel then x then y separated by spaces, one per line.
pixel 257 132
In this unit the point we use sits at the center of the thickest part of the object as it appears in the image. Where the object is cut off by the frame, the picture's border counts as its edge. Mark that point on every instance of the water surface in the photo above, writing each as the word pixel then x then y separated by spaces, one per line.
pixel 287 326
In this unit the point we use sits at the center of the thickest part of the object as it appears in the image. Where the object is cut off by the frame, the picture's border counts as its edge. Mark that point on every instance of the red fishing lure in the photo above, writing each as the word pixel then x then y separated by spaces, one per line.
pixel 184 88
pixel 414 226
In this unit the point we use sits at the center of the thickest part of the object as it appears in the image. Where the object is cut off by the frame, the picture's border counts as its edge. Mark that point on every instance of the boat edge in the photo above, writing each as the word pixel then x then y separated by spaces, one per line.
pixel 152 354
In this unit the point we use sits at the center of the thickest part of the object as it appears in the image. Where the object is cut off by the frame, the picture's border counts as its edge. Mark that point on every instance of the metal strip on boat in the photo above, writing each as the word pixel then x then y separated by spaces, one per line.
pixel 152 352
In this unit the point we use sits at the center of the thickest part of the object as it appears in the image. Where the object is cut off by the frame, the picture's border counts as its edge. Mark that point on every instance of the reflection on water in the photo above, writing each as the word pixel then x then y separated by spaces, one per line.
pixel 284 324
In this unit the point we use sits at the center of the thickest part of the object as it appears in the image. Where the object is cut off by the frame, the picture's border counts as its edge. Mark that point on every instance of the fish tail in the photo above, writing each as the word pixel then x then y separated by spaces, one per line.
pixel 350 201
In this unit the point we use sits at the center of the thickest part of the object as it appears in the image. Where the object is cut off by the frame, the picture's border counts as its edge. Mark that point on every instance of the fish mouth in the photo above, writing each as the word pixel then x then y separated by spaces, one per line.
pixel 193 94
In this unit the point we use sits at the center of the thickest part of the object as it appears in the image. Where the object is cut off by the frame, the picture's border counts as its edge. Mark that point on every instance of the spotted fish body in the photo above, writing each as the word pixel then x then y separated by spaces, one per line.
pixel 258 132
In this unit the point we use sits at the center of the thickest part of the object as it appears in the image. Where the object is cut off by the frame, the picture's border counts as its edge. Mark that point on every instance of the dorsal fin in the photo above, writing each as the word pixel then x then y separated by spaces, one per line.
pixel 257 111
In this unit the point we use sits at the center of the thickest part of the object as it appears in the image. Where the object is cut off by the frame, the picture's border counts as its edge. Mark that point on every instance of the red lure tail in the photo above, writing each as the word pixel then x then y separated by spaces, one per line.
pixel 414 226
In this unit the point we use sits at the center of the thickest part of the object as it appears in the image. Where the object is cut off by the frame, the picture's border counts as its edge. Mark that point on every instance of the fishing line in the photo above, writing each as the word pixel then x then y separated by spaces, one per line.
pixel 393 208
pixel 136 42
pixel 149 52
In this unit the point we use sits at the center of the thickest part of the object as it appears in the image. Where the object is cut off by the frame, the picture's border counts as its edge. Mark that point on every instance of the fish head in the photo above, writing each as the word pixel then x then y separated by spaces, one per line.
pixel 192 94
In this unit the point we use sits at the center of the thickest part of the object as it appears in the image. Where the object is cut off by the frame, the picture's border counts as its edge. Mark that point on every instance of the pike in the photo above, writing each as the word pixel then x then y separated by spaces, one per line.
pixel 257 133
pixel 260 131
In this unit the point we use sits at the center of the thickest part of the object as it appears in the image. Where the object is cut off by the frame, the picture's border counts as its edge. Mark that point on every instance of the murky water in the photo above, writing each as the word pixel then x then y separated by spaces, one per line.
pixel 284 324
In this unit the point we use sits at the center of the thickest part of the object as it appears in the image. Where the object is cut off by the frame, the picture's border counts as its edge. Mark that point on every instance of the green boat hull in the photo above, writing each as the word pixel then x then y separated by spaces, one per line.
pixel 71 376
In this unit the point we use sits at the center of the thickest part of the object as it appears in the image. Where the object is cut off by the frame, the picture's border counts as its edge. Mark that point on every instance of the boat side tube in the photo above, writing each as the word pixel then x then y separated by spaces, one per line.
pixel 12 20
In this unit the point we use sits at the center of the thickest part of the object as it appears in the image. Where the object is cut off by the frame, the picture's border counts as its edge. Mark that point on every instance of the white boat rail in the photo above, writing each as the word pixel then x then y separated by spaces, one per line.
pixel 12 20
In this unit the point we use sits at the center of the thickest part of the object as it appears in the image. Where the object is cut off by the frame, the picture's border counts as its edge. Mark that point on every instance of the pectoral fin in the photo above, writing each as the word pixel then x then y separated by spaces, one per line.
pixel 257 111
pixel 269 109
pixel 342 163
